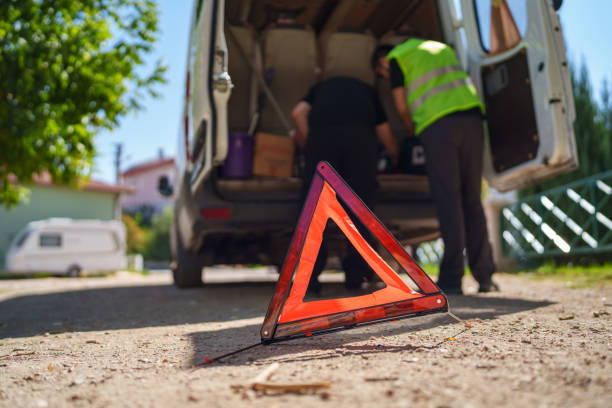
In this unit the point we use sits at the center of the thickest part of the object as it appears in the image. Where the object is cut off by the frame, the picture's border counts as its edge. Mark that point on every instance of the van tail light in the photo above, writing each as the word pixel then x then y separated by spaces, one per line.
pixel 222 213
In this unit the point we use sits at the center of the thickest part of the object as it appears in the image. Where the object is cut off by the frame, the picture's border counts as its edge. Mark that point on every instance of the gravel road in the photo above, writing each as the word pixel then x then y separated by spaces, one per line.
pixel 132 340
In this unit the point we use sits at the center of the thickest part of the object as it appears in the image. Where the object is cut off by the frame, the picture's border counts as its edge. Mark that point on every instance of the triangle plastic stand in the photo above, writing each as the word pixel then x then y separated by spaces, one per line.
pixel 289 316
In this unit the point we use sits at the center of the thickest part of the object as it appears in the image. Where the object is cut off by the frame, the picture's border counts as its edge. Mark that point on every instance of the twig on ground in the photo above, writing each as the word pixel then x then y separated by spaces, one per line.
pixel 16 355
pixel 297 388
pixel 260 383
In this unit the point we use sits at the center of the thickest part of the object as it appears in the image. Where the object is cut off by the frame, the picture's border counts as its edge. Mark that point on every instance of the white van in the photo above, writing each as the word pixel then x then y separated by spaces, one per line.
pixel 242 51
pixel 67 246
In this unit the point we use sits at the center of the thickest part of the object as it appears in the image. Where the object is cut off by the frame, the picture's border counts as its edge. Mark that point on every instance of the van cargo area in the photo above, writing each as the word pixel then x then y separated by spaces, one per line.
pixel 295 44
pixel 298 43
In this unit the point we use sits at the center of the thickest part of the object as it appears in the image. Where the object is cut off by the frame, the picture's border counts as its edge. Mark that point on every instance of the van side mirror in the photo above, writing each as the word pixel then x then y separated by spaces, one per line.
pixel 557 4
pixel 164 187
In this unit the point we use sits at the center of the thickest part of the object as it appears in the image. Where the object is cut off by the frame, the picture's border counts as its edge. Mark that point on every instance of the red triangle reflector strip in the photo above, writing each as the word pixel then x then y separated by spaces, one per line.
pixel 289 316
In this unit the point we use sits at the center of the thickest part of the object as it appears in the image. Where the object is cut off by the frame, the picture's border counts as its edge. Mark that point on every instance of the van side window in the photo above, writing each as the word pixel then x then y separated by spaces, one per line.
pixel 50 240
pixel 502 23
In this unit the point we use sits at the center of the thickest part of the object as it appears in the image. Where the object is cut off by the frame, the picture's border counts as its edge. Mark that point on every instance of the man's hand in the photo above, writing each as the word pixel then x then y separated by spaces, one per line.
pixel 386 137
pixel 399 100
pixel 298 138
pixel 299 115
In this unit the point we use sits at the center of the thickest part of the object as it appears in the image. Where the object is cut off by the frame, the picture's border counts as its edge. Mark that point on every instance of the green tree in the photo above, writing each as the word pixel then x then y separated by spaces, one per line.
pixel 68 68
pixel 157 247
pixel 606 118
pixel 592 130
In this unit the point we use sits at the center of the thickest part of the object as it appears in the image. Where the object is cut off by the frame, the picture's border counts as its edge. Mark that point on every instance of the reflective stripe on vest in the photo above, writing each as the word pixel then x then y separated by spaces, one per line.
pixel 434 91
pixel 431 75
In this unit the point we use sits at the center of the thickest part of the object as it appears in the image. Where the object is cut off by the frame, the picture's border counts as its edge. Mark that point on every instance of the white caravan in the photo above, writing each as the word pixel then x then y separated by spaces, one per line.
pixel 67 246
pixel 250 61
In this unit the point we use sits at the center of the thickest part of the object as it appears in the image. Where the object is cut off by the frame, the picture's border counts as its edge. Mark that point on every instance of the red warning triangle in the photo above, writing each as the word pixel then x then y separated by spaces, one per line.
pixel 289 316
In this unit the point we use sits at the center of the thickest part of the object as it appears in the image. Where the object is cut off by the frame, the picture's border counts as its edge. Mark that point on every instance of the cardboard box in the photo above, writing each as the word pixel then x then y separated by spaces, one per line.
pixel 273 155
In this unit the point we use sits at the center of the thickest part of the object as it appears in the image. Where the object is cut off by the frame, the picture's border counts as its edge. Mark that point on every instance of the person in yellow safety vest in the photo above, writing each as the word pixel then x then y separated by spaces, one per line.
pixel 436 100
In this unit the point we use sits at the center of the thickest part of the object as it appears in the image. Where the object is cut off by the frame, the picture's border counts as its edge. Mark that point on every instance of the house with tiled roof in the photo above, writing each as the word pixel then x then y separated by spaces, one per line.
pixel 143 179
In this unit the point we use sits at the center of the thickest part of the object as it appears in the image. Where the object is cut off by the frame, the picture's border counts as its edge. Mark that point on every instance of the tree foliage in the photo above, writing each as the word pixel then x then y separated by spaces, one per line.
pixel 136 237
pixel 592 129
pixel 68 68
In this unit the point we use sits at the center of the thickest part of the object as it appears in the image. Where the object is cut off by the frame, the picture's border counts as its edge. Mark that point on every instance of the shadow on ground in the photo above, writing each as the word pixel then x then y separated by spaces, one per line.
pixel 466 307
pixel 131 307
pixel 164 305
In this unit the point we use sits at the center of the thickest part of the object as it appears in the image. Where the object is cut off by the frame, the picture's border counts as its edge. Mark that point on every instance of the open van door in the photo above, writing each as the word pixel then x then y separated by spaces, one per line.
pixel 516 58
pixel 208 88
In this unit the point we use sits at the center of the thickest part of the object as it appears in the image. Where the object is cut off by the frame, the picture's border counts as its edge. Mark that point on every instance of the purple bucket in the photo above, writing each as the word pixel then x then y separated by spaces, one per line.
pixel 239 160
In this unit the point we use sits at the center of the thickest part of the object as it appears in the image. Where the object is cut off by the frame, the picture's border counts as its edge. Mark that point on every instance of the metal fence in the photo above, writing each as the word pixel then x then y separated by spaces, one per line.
pixel 575 219
pixel 430 252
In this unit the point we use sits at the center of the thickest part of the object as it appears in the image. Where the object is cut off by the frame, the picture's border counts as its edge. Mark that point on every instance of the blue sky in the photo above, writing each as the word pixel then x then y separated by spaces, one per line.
pixel 587 27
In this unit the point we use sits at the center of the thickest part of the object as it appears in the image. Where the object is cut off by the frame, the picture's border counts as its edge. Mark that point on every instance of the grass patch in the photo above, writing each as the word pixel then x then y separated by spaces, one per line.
pixel 430 268
pixel 11 276
pixel 434 269
pixel 574 276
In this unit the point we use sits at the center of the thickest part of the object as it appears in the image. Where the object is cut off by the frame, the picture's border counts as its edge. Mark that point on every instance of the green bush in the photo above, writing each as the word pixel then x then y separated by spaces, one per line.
pixel 136 235
pixel 157 246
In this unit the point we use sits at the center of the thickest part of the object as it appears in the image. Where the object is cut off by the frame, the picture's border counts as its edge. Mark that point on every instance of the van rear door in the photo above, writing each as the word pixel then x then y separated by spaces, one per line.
pixel 207 91
pixel 516 57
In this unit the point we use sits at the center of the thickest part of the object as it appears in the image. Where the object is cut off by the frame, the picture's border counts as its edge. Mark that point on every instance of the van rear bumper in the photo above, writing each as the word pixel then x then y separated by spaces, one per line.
pixel 410 222
pixel 210 223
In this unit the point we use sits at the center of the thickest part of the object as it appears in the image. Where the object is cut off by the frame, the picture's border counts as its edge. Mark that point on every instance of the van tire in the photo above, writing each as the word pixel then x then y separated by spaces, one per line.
pixel 74 271
pixel 186 268
pixel 186 277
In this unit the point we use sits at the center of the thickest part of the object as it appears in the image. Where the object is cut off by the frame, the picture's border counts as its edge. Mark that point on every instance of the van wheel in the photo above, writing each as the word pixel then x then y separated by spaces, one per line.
pixel 187 278
pixel 74 271
pixel 186 268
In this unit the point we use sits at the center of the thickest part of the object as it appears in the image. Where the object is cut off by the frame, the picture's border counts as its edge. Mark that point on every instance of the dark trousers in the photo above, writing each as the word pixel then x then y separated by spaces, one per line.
pixel 454 150
pixel 352 151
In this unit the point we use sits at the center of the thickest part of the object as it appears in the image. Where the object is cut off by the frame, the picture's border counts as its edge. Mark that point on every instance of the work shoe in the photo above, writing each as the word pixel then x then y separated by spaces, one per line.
pixel 488 287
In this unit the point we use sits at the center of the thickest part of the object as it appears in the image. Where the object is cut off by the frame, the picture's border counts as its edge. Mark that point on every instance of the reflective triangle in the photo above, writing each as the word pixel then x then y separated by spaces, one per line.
pixel 289 316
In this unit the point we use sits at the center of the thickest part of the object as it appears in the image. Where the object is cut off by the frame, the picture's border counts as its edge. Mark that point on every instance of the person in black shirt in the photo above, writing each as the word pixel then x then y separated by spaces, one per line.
pixel 341 120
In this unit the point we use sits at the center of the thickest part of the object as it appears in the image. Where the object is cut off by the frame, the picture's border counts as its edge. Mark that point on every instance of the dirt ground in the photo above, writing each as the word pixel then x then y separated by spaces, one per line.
pixel 132 340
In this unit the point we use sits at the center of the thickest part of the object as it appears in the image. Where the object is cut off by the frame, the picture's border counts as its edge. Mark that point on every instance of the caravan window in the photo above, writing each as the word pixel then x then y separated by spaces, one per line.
pixel 22 238
pixel 502 23
pixel 50 240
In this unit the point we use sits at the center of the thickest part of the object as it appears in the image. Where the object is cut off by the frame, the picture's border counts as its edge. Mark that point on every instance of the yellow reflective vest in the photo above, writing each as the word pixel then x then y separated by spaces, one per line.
pixel 436 84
